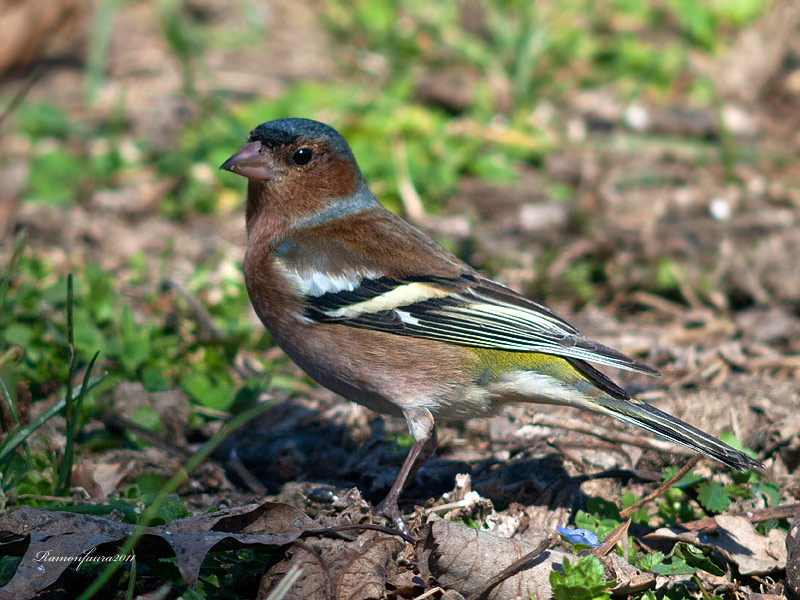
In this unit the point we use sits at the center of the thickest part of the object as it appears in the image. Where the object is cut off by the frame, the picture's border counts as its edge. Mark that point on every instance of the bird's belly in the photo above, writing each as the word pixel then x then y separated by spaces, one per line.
pixel 385 373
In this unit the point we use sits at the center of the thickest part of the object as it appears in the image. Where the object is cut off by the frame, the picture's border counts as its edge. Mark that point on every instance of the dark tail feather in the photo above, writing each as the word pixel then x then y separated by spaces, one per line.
pixel 675 430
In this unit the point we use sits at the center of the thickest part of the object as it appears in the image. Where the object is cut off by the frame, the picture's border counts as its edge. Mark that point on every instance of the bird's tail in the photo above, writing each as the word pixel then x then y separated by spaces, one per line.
pixel 576 383
pixel 650 418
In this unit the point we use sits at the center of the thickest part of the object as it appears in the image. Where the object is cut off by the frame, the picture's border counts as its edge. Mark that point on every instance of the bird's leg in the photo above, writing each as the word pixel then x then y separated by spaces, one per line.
pixel 420 423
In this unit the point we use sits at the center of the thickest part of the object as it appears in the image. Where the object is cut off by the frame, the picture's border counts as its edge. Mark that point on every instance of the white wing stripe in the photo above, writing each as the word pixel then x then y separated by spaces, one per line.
pixel 402 295
pixel 319 283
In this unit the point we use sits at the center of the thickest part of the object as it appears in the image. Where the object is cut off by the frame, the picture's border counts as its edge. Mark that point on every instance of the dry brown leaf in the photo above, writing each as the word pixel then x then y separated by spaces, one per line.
pixel 29 27
pixel 466 560
pixel 100 479
pixel 757 55
pixel 57 534
pixel 738 541
pixel 344 571
pixel 366 575
pixel 793 556
pixel 314 582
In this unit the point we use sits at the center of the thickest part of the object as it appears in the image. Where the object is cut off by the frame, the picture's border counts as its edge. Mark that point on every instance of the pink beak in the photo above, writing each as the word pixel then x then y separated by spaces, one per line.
pixel 251 163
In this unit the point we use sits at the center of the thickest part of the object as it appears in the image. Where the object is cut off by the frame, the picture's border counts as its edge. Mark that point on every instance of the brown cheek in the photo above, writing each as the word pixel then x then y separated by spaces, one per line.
pixel 333 178
pixel 309 191
pixel 298 194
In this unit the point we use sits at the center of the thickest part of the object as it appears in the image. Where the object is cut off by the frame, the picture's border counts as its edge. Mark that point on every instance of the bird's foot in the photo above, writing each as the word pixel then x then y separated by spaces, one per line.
pixel 388 508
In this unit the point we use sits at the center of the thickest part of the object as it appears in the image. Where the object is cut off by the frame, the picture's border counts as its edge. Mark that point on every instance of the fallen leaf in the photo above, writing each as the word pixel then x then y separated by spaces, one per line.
pixel 100 479
pixel 341 571
pixel 366 575
pixel 793 556
pixel 738 541
pixel 59 534
pixel 466 560
pixel 314 582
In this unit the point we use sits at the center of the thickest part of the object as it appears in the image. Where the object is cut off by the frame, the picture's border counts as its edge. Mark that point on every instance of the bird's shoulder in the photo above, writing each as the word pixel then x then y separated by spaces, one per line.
pixel 373 243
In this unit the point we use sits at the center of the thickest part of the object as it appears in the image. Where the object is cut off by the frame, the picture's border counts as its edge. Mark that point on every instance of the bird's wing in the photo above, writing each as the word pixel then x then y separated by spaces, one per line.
pixel 467 310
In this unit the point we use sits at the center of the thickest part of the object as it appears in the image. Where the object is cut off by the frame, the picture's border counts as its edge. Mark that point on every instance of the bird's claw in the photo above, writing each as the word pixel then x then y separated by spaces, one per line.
pixel 391 511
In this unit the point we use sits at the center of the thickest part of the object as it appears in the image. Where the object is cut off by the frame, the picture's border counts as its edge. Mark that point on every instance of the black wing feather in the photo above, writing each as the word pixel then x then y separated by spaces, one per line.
pixel 467 311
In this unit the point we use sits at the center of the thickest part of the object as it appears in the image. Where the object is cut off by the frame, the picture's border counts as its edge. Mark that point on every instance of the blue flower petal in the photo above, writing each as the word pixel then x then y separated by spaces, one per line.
pixel 579 537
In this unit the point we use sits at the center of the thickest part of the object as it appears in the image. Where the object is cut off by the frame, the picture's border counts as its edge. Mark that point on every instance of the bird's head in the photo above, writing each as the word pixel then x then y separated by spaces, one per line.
pixel 296 168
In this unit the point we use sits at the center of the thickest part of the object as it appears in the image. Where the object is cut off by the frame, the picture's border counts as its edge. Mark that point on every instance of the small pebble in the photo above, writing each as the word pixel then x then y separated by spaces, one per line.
pixel 322 496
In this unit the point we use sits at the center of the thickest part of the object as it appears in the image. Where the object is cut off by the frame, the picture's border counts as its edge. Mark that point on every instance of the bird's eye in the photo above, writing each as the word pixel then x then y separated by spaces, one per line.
pixel 303 156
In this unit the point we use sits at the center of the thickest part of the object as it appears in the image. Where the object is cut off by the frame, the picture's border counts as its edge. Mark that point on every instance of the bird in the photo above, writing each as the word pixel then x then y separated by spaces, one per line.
pixel 375 310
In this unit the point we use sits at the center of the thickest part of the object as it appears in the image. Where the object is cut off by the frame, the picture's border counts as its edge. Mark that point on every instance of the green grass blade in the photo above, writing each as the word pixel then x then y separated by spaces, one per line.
pixel 170 487
pixel 99 36
pixel 65 470
pixel 13 441
pixel 11 267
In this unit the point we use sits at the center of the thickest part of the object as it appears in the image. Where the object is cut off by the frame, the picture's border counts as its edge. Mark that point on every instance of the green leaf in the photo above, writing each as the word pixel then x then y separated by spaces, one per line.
pixel 8 566
pixel 697 558
pixel 582 581
pixel 17 334
pixel 676 566
pixel 154 379
pixel 87 333
pixel 43 119
pixel 209 393
pixel 771 492
pixel 687 480
pixel 171 510
pixel 146 416
pixel 640 516
pixel 736 491
pixel 648 561
pixel 601 516
pixel 55 177
pixel 733 442
pixel 713 496
pixel 148 486
pixel 134 340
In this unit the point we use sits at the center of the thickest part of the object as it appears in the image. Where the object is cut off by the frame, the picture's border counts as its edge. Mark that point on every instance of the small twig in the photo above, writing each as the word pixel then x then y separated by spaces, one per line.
pixel 450 506
pixel 683 336
pixel 412 203
pixel 754 516
pixel 13 354
pixel 203 317
pixel 620 532
pixel 791 361
pixel 430 593
pixel 662 488
pixel 359 526
pixel 115 421
pixel 688 292
pixel 21 93
pixel 286 583
pixel 13 499
pixel 640 474
pixel 518 565
pixel 235 465
pixel 577 461
pixel 571 252
pixel 658 303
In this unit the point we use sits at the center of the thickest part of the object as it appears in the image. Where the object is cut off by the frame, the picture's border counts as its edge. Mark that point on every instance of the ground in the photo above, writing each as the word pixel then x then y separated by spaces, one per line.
pixel 636 171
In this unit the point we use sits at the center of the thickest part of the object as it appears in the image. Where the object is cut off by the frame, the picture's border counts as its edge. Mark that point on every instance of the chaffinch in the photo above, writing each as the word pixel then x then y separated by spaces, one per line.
pixel 375 310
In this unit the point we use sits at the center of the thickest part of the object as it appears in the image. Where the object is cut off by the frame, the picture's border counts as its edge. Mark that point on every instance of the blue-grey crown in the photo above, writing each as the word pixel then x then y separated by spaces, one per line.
pixel 286 131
